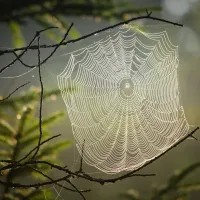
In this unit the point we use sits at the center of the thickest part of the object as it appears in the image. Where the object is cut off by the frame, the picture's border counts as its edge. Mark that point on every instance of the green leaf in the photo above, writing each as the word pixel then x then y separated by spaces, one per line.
pixel 189 188
pixel 52 149
pixel 33 139
pixel 39 195
pixel 5 154
pixel 181 174
pixel 24 116
pixel 49 33
pixel 6 128
pixel 23 192
pixel 131 195
pixel 31 96
pixel 31 194
pixel 39 176
pixel 26 171
pixel 73 33
pixel 178 197
pixel 137 28
pixel 45 122
pixel 174 180
pixel 9 196
pixel 51 20
pixel 10 142
pixel 17 37
pixel 22 172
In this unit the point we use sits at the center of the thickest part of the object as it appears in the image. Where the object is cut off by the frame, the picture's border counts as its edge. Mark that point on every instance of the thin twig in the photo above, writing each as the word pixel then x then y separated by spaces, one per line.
pixel 45 141
pixel 20 185
pixel 41 99
pixel 78 191
pixel 13 163
pixel 41 83
pixel 81 161
pixel 25 49
pixel 35 47
pixel 51 54
pixel 148 14
pixel 94 179
pixel 1 100
pixel 157 157
pixel 194 138
pixel 23 63
pixel 48 177
pixel 58 45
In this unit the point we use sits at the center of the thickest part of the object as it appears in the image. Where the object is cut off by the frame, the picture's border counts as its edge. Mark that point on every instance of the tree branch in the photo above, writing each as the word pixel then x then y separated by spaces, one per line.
pixel 41 99
pixel 35 47
pixel 88 177
pixel 1 100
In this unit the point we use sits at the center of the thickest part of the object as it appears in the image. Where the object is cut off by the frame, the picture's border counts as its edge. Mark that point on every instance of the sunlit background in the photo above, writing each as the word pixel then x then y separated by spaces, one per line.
pixel 181 11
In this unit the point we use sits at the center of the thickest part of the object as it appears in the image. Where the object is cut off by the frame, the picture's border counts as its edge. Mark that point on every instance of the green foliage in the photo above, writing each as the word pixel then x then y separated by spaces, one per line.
pixel 131 195
pixel 174 189
pixel 16 33
pixel 31 97
pixel 20 133
pixel 55 12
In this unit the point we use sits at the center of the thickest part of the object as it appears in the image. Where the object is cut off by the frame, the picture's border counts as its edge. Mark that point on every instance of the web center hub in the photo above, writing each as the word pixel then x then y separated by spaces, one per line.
pixel 126 88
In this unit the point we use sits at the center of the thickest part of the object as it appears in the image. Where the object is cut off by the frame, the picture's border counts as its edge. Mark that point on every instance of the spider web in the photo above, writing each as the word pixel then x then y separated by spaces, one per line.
pixel 124 102
pixel 123 99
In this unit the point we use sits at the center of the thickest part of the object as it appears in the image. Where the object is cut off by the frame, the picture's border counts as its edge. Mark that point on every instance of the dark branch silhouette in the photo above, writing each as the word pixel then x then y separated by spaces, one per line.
pixel 35 47
pixel 41 98
pixel 81 161
pixel 1 100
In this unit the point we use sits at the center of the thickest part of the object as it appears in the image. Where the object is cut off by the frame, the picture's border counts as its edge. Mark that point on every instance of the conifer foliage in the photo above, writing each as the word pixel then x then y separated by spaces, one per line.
pixel 19 134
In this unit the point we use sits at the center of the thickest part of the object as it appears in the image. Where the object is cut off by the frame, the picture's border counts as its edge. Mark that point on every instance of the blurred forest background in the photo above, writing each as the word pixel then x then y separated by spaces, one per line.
pixel 18 22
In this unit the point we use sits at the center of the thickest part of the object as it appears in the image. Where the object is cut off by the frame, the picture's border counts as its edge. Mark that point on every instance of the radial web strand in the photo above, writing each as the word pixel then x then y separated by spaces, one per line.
pixel 123 99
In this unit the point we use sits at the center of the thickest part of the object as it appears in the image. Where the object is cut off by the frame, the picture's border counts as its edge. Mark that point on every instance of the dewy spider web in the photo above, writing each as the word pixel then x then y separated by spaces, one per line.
pixel 123 99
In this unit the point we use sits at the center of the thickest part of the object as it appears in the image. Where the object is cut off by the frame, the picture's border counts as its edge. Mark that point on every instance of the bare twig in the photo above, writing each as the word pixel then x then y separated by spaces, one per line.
pixel 25 49
pixel 41 99
pixel 81 161
pixel 78 191
pixel 41 83
pixel 58 45
pixel 194 138
pixel 23 63
pixel 1 100
pixel 79 174
pixel 174 145
pixel 45 141
pixel 35 47
pixel 36 185
pixel 13 163
pixel 48 177
pixel 127 175
pixel 94 179
pixel 51 54
pixel 148 14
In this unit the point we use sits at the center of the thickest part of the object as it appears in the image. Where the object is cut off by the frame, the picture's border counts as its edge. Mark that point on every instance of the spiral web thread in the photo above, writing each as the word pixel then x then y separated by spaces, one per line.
pixel 123 100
